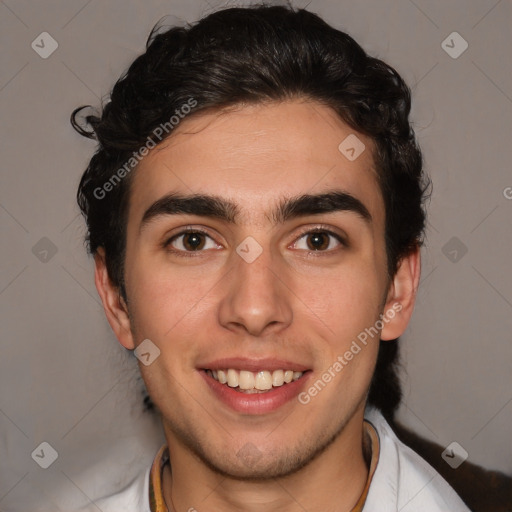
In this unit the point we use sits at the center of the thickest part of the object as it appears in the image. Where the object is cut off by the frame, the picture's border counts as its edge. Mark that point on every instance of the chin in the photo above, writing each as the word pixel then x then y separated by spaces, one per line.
pixel 250 465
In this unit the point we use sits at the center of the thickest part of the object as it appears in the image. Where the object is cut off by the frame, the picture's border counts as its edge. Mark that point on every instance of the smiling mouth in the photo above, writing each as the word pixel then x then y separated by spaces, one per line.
pixel 249 382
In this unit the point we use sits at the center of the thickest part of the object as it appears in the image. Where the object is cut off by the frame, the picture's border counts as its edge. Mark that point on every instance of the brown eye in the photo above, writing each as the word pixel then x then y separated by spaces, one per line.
pixel 193 241
pixel 319 240
pixel 190 241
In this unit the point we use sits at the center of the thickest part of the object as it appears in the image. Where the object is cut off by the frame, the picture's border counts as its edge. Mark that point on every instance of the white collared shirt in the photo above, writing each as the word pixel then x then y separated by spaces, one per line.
pixel 402 482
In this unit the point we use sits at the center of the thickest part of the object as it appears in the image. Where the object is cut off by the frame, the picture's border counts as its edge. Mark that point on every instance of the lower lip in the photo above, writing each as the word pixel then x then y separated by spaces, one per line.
pixel 255 403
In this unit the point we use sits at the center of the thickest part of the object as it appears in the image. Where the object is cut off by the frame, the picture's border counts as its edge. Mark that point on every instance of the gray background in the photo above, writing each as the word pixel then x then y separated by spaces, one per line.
pixel 64 378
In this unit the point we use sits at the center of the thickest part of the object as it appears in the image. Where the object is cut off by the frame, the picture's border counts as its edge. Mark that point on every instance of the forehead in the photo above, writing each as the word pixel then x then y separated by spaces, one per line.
pixel 256 155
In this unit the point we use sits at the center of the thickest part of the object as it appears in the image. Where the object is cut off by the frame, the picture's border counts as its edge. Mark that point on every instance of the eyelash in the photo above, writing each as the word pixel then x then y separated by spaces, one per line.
pixel 192 254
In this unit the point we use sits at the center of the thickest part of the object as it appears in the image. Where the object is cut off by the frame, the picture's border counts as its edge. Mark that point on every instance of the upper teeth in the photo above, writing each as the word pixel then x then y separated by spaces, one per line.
pixel 261 380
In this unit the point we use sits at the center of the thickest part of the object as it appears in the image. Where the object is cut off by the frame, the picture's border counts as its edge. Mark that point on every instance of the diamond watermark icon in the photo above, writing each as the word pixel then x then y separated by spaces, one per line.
pixel 45 455
pixel 44 250
pixel 454 249
pixel 249 250
pixel 147 352
pixel 249 454
pixel 44 45
pixel 454 455
pixel 351 147
pixel 454 45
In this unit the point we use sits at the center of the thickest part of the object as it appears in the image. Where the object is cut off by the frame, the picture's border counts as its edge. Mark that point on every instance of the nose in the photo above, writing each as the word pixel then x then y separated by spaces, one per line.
pixel 256 299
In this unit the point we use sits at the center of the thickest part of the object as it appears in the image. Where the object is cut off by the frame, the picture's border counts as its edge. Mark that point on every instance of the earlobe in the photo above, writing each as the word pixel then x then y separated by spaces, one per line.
pixel 115 308
pixel 402 296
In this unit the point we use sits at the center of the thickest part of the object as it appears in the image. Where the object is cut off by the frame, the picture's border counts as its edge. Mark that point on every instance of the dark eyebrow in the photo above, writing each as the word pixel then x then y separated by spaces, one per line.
pixel 288 208
pixel 313 204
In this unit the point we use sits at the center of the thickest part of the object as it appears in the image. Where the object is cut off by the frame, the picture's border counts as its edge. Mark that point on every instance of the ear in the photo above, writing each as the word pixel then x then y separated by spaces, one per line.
pixel 113 304
pixel 401 296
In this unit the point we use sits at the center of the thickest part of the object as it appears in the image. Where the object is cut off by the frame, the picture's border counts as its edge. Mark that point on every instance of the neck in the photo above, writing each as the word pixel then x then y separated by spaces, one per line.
pixel 333 481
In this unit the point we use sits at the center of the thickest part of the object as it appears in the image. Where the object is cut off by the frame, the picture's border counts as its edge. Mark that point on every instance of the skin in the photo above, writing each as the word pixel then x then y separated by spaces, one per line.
pixel 291 302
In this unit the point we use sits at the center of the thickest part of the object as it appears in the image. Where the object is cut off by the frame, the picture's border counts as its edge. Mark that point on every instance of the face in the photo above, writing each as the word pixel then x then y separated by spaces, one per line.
pixel 257 284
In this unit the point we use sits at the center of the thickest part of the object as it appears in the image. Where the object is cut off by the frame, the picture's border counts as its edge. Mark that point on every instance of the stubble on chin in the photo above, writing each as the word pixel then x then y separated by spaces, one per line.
pixel 249 463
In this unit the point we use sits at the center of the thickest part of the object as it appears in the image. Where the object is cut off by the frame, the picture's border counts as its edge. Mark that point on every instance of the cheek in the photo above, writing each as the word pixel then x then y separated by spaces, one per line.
pixel 346 299
pixel 164 301
pixel 167 311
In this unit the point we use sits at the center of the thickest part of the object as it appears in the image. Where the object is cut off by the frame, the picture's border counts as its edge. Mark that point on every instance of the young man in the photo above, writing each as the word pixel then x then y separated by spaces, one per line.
pixel 255 213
